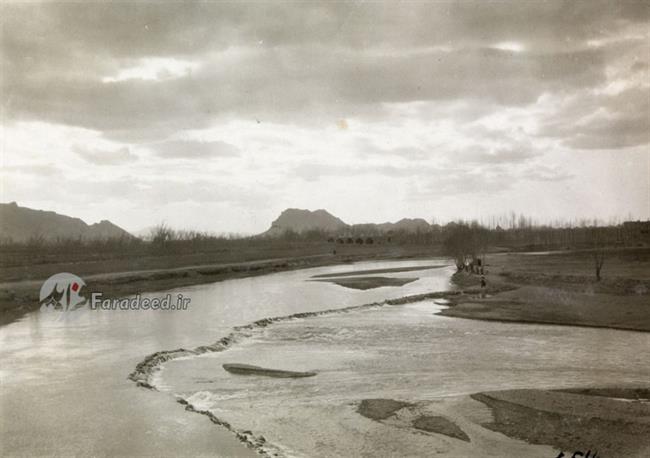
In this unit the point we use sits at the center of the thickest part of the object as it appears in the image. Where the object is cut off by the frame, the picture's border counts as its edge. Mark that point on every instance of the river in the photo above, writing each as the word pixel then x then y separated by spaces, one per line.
pixel 65 389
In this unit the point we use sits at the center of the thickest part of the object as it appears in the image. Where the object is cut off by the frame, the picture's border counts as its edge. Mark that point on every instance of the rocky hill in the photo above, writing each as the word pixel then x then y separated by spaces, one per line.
pixel 300 221
pixel 20 224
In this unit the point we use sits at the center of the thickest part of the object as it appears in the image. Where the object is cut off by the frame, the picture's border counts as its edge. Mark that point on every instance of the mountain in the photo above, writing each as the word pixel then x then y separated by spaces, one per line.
pixel 20 224
pixel 300 221
pixel 406 225
pixel 296 220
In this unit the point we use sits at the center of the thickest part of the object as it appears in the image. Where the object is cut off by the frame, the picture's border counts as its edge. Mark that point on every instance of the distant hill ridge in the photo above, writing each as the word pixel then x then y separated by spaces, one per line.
pixel 300 221
pixel 20 224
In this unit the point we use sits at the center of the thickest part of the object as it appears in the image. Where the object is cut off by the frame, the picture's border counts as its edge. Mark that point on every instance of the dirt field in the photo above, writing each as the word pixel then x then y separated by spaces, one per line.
pixel 561 288
pixel 24 265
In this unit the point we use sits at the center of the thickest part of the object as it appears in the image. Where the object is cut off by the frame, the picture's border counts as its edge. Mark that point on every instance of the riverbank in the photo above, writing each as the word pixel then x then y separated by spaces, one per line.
pixel 611 422
pixel 560 289
pixel 20 297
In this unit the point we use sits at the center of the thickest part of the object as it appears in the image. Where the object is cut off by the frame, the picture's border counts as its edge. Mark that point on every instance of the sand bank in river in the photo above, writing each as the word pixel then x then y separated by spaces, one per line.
pixel 364 283
pixel 382 409
pixel 571 420
pixel 248 369
pixel 369 279
pixel 611 422
pixel 355 273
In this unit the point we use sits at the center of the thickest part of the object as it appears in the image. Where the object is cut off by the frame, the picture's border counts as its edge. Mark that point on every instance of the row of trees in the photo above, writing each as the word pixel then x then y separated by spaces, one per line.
pixel 463 241
pixel 522 237
pixel 469 243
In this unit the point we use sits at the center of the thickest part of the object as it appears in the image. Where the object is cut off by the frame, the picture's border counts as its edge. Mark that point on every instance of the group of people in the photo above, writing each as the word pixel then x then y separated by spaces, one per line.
pixel 474 267
pixel 477 268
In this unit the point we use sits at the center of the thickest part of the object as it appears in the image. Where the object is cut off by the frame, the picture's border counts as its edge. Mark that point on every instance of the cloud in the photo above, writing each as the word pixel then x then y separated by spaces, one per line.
pixel 105 157
pixel 478 154
pixel 313 172
pixel 602 120
pixel 462 182
pixel 190 149
pixel 299 85
pixel 172 29
pixel 174 67
pixel 440 98
pixel 612 132
pixel 316 171
pixel 145 191
pixel 545 173
pixel 367 148
pixel 153 69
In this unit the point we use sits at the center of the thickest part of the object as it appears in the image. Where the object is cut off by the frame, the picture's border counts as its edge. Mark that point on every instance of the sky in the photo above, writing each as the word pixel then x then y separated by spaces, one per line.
pixel 217 116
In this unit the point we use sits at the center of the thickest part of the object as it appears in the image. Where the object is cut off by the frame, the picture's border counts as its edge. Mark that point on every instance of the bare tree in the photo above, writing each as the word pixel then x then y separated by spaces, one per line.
pixel 466 243
pixel 598 251
pixel 599 260
pixel 161 235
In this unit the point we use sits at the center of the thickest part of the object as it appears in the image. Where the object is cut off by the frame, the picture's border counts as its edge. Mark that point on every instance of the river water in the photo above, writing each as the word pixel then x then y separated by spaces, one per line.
pixel 64 387
pixel 407 353
pixel 65 390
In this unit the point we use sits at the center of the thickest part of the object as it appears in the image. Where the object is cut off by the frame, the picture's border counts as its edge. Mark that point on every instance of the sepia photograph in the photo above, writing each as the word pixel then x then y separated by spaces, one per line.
pixel 325 228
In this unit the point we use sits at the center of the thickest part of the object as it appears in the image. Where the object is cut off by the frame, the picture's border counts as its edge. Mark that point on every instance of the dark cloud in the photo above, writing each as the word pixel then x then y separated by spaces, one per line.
pixel 618 131
pixel 297 85
pixel 291 62
pixel 189 149
pixel 603 121
pixel 134 29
